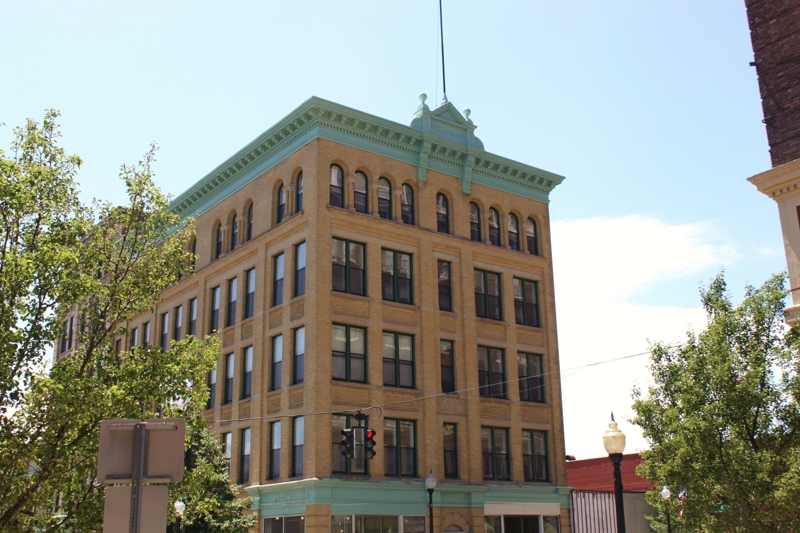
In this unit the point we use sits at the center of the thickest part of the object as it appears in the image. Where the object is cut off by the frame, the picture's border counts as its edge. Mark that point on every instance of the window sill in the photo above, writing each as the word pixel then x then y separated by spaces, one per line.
pixel 350 295
pixel 537 328
pixel 404 305
pixel 353 383
pixel 492 399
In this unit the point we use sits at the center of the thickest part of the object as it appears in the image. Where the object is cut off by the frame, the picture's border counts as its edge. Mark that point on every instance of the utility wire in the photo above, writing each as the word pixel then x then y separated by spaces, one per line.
pixel 460 392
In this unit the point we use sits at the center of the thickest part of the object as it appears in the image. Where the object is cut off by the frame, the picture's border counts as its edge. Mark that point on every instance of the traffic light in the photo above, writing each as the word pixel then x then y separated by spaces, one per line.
pixel 369 443
pixel 348 443
pixel 190 456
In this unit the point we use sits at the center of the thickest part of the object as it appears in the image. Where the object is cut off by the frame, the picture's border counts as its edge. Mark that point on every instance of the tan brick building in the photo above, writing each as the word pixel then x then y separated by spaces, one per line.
pixel 350 262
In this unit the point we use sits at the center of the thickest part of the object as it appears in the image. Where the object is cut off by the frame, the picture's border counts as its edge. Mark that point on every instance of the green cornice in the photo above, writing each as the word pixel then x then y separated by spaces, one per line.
pixel 392 498
pixel 440 140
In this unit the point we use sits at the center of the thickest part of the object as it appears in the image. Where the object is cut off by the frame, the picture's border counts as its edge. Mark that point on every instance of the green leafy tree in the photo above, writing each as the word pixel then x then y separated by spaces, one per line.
pixel 106 264
pixel 722 417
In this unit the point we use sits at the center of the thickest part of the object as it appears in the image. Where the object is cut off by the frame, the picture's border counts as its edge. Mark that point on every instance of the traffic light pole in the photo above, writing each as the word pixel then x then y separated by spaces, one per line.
pixel 139 449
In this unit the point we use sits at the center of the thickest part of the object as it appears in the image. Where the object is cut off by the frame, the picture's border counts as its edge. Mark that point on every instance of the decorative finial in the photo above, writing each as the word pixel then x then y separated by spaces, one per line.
pixel 467 112
pixel 612 416
pixel 422 105
pixel 444 98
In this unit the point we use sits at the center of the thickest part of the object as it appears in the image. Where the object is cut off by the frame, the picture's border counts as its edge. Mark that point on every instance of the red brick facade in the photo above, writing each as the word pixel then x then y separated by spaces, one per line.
pixel 775 34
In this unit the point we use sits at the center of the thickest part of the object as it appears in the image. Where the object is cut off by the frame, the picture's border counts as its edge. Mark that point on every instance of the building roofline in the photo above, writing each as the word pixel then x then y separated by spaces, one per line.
pixel 437 140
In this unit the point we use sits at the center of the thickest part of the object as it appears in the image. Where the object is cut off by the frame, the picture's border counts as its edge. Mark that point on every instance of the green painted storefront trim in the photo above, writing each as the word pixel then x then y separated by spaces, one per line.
pixel 441 140
pixel 391 498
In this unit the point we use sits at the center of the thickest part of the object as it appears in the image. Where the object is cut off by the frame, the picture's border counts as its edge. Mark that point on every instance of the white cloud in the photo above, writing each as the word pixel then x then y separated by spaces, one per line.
pixel 599 265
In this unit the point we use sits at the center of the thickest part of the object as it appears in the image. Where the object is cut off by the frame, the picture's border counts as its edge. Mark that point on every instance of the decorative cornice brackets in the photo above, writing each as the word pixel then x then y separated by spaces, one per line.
pixel 447 144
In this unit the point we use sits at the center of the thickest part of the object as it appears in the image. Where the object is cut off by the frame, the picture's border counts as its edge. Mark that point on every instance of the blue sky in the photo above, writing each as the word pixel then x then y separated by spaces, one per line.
pixel 649 109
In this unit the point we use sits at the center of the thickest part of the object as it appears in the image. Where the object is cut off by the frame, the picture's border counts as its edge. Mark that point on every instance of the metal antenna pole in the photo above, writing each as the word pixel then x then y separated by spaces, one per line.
pixel 441 35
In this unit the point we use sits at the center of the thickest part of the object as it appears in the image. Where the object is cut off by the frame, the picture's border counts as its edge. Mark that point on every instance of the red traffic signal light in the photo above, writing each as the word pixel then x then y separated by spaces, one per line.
pixel 370 434
pixel 369 443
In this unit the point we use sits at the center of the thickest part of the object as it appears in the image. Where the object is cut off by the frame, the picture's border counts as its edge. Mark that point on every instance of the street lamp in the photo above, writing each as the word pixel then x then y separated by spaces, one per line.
pixel 614 443
pixel 665 494
pixel 430 484
pixel 180 507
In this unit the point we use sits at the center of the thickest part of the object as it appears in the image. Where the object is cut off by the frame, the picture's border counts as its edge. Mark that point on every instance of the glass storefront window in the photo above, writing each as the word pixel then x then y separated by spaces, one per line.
pixel 285 524
pixel 376 524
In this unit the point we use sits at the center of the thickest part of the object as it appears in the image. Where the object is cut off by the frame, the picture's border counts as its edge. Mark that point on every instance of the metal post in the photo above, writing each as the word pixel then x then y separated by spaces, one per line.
pixel 616 459
pixel 178 522
pixel 430 509
pixel 669 526
pixel 139 450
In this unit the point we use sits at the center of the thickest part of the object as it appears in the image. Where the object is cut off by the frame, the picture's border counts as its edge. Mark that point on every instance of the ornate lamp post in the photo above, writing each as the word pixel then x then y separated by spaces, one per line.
pixel 430 484
pixel 665 494
pixel 614 443
pixel 180 507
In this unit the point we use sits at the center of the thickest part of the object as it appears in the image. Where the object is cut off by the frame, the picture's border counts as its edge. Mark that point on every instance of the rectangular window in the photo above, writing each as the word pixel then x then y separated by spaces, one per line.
pixel 445 291
pixel 275 450
pixel 229 367
pixel 400 447
pixel 71 331
pixel 487 295
pixel 146 334
pixel 277 362
pixel 227 448
pixel 348 259
pixel 277 280
pixel 117 346
pixel 398 360
pixel 178 325
pixel 534 455
pixel 299 372
pixel 450 447
pixel 531 382
pixel 349 353
pixel 164 341
pixel 192 317
pixel 491 372
pixel 494 444
pixel 526 302
pixel 233 289
pixel 64 335
pixel 396 277
pixel 448 366
pixel 212 389
pixel 247 373
pixel 250 293
pixel 244 458
pixel 135 337
pixel 285 524
pixel 300 269
pixel 214 323
pixel 340 463
pixel 298 436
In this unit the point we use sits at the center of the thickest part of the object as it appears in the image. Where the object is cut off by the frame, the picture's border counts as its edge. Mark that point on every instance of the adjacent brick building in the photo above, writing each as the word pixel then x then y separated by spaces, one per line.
pixel 775 33
pixel 350 262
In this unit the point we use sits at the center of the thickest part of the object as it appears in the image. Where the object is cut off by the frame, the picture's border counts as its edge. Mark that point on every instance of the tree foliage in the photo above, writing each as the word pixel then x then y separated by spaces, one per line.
pixel 107 264
pixel 722 417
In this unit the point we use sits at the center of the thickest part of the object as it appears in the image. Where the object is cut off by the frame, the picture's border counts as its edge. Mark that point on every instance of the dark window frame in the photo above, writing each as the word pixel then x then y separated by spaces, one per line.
pixel 216 296
pixel 475 229
pixel 485 310
pixel 164 333
pixel 297 449
pixel 396 362
pixel 298 359
pixel 192 328
pixel 234 233
pixel 245 449
pixel 250 293
pixel 513 236
pixel 494 454
pixel 336 191
pixel 348 282
pixel 277 283
pixel 218 244
pixel 299 285
pixel 494 233
pixel 348 354
pixel 531 386
pixel 526 313
pixel 532 242
pixel 233 298
pixel 442 218
pixel 448 387
pixel 280 205
pixel 274 464
pixel 249 231
pixel 487 386
pixel 361 199
pixel 453 452
pixel 445 288
pixel 247 375
pixel 211 382
pixel 276 367
pixel 298 195
pixel 230 373
pixel 398 449
pixel 395 275
pixel 531 462
pixel 407 205
pixel 384 204
pixel 177 323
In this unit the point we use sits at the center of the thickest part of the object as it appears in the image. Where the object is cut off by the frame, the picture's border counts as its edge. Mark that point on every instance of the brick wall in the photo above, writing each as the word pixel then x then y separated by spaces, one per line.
pixel 775 34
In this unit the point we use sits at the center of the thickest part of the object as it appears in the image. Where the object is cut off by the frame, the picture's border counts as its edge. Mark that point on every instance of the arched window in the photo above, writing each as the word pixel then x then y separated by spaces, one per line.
pixel 234 231
pixel 337 186
pixel 533 242
pixel 218 247
pixel 442 214
pixel 494 227
pixel 475 223
pixel 281 211
pixel 298 200
pixel 360 193
pixel 513 232
pixel 385 199
pixel 249 232
pixel 407 200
